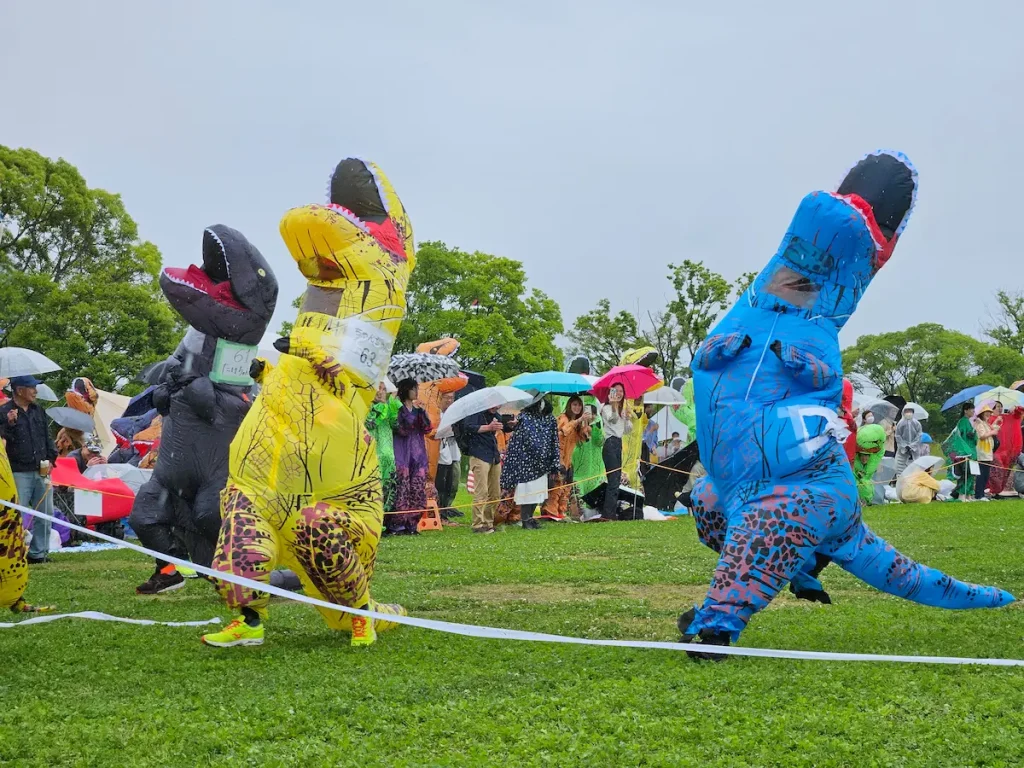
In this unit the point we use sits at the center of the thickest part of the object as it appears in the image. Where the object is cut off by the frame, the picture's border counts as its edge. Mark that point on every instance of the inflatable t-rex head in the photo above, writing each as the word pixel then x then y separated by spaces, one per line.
pixel 446 346
pixel 645 356
pixel 579 364
pixel 837 241
pixel 232 296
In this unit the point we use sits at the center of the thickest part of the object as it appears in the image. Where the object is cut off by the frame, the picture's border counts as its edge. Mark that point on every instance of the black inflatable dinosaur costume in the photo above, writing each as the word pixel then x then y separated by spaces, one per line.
pixel 203 397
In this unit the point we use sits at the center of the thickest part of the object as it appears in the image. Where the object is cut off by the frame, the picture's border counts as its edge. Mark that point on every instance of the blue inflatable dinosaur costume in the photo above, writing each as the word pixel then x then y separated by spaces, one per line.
pixel 780 498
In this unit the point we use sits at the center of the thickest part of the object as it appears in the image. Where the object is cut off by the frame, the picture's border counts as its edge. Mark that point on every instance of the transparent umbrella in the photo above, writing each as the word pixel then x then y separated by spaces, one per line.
pixel 478 402
pixel 18 361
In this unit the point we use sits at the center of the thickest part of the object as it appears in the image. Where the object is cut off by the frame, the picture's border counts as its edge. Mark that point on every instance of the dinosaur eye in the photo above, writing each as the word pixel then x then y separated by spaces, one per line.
pixel 261 272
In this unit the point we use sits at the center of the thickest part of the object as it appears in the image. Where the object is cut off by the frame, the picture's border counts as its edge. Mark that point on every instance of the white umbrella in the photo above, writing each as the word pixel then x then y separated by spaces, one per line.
pixel 43 392
pixel 131 476
pixel 922 464
pixel 1010 398
pixel 18 361
pixel 663 396
pixel 919 413
pixel 478 402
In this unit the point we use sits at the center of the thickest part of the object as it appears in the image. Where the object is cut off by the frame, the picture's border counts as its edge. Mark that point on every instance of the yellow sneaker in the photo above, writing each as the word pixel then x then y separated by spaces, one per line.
pixel 363 632
pixel 235 633
pixel 188 573
pixel 383 625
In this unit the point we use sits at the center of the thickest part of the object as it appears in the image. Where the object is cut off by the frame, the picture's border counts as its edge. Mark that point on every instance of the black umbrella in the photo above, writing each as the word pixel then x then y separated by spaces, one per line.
pixel 663 482
pixel 899 402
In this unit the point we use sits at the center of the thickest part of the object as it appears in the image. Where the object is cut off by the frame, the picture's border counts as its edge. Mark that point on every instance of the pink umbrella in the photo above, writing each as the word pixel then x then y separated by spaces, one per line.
pixel 637 380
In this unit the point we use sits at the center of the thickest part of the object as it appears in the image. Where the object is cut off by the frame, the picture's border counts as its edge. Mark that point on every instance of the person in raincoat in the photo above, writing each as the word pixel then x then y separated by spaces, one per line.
pixel 588 464
pixel 920 486
pixel 870 451
pixel 573 426
pixel 908 439
pixel 1006 451
pixel 961 448
pixel 381 422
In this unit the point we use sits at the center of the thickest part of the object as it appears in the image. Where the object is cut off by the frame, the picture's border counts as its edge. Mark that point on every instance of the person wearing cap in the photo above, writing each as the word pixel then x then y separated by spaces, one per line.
pixel 90 454
pixel 31 453
pixel 986 431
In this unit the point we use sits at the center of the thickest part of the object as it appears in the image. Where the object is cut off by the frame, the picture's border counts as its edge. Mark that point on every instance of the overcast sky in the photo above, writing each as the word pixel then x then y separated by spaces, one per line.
pixel 596 142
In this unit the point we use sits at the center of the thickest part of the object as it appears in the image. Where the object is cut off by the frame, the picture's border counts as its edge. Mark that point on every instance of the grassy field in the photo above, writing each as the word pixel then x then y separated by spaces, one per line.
pixel 90 693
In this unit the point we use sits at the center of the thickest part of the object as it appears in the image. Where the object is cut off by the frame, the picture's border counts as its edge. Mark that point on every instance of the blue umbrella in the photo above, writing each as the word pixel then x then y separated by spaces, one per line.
pixel 552 382
pixel 964 395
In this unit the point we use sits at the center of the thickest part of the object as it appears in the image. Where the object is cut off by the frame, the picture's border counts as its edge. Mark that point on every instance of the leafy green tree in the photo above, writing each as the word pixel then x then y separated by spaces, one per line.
pixel 1008 327
pixel 76 283
pixel 604 337
pixel 666 335
pixel 927 363
pixel 483 301
pixel 287 325
pixel 701 296
pixel 743 282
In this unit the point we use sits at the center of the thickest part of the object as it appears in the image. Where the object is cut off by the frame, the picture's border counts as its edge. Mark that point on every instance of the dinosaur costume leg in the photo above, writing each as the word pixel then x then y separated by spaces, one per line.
pixel 331 549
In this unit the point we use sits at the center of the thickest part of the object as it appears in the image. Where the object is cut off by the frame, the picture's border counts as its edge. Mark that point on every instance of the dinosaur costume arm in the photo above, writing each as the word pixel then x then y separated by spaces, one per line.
pixel 865 472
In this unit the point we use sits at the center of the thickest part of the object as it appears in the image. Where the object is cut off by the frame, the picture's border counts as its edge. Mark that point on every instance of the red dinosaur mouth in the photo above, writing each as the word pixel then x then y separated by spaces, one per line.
pixel 199 281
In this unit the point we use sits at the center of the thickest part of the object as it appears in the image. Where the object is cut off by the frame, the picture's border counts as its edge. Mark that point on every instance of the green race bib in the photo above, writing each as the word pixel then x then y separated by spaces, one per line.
pixel 231 363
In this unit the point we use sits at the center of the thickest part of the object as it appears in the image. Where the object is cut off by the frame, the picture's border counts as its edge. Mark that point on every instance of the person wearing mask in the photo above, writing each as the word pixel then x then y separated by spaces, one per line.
pixel 31 453
pixel 962 450
pixel 982 423
pixel 411 427
pixel 573 426
pixel 533 454
pixel 485 464
pixel 867 418
pixel 617 418
pixel 908 440
pixel 449 468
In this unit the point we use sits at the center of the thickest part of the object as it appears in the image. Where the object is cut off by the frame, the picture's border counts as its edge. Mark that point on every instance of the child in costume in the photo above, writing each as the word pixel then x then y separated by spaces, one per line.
pixel 380 423
pixel 779 490
pixel 304 487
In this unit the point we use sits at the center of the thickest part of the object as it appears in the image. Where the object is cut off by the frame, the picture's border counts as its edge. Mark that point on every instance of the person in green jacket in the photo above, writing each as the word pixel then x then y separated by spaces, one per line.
pixel 961 447
pixel 870 452
pixel 380 422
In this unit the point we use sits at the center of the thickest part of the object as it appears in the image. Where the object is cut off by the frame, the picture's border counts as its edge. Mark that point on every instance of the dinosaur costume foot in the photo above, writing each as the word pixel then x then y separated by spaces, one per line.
pixel 22 607
pixel 705 636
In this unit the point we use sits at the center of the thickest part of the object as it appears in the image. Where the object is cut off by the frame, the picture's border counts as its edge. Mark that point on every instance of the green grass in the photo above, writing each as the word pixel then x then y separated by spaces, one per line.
pixel 89 693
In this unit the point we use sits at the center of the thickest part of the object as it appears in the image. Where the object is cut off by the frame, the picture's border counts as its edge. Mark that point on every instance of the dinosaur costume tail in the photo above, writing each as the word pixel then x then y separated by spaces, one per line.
pixel 881 565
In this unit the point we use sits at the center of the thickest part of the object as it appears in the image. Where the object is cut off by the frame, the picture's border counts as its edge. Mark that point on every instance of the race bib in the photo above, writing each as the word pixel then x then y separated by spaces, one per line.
pixel 365 349
pixel 231 363
pixel 88 503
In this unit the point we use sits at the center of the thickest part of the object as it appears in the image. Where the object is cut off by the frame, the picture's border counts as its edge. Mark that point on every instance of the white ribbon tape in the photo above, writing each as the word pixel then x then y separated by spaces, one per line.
pixel 496 633
pixel 97 616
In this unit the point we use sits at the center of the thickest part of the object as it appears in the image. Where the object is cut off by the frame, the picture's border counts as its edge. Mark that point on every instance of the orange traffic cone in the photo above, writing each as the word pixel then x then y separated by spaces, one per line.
pixel 430 520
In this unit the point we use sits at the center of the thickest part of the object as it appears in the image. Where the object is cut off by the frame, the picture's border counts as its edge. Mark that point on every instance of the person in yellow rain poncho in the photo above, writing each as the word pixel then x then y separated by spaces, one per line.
pixel 632 446
pixel 304 488
pixel 13 549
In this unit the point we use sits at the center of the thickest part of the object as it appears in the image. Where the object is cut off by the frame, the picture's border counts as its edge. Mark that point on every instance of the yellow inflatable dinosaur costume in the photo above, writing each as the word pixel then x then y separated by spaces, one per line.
pixel 304 488
pixel 13 549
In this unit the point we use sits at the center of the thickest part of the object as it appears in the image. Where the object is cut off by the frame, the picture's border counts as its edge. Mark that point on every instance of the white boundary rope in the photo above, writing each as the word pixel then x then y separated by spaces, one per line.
pixel 98 616
pixel 497 633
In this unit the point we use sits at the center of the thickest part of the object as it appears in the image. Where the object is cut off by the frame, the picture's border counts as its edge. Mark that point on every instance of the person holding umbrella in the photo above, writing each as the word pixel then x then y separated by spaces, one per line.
pixel 31 453
pixel 982 423
pixel 618 423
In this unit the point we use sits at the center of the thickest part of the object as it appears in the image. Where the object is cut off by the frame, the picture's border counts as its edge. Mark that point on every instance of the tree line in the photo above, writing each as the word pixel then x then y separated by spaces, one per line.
pixel 79 285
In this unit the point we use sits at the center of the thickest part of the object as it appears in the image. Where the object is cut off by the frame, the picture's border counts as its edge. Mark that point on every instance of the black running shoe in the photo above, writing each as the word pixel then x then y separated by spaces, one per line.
pixel 161 582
